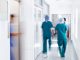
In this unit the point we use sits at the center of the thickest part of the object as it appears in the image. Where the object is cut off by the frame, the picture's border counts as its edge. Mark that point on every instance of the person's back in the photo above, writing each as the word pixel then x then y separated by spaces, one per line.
pixel 61 30
pixel 61 37
pixel 46 30
pixel 46 27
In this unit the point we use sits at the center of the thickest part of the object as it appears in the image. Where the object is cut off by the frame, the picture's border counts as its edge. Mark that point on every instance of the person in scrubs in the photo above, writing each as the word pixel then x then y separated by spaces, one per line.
pixel 61 30
pixel 12 34
pixel 67 27
pixel 46 29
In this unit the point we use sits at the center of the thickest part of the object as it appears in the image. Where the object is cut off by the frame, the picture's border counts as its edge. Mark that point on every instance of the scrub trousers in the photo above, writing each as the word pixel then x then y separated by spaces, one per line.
pixel 11 54
pixel 62 48
pixel 45 44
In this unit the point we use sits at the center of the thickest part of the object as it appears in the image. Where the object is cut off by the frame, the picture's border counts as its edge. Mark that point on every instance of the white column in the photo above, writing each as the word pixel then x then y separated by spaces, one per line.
pixel 27 30
pixel 78 33
pixel 4 40
pixel 75 31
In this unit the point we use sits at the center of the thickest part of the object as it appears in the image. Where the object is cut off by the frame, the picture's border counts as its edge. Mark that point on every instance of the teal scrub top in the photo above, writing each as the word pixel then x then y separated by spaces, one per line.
pixel 61 32
pixel 46 28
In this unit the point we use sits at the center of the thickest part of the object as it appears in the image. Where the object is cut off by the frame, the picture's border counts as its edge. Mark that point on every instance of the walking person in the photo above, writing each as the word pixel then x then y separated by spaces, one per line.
pixel 61 30
pixel 46 29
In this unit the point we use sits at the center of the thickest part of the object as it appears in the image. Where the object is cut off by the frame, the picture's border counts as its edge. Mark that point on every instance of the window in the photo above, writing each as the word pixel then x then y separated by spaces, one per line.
pixel 46 8
pixel 39 2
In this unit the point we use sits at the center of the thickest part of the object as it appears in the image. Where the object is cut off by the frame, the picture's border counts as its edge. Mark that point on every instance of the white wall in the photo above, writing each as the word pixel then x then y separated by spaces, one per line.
pixel 4 40
pixel 27 30
pixel 45 9
pixel 76 40
pixel 79 23
pixel 75 27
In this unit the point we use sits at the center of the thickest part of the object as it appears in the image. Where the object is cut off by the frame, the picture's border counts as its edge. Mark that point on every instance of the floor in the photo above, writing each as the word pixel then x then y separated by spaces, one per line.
pixel 54 53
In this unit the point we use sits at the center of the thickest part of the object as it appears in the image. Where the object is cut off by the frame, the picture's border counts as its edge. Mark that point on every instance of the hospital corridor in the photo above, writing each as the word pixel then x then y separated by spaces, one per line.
pixel 39 29
pixel 54 53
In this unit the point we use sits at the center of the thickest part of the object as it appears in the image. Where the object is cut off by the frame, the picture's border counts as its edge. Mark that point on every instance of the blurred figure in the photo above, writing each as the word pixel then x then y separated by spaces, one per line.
pixel 12 34
pixel 61 30
pixel 46 28
pixel 67 28
pixel 64 20
pixel 11 37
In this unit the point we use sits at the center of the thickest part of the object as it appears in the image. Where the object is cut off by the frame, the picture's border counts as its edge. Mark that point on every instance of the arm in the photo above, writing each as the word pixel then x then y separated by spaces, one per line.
pixel 66 28
pixel 52 32
pixel 12 32
pixel 15 34
pixel 56 30
pixel 42 25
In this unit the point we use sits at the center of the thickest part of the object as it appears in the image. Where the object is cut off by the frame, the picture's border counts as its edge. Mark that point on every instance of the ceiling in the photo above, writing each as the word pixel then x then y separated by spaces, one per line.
pixel 63 1
pixel 71 3
pixel 18 0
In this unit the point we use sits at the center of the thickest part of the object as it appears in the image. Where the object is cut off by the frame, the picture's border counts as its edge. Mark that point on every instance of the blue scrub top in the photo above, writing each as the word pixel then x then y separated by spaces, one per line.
pixel 61 32
pixel 46 27
pixel 11 37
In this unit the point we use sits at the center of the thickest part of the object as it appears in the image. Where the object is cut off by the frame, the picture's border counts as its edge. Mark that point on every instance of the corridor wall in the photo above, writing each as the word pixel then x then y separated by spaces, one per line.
pixel 76 40
pixel 4 38
pixel 27 30
pixel 76 27
pixel 37 30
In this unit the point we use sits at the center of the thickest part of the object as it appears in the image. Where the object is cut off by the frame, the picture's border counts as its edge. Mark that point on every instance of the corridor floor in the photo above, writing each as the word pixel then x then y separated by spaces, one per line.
pixel 54 53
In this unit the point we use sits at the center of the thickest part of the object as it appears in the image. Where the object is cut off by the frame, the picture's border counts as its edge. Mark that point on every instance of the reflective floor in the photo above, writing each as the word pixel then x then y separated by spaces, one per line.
pixel 54 53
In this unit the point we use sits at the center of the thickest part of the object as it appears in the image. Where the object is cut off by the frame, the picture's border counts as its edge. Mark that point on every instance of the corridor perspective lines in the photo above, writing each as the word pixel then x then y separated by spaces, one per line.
pixel 54 54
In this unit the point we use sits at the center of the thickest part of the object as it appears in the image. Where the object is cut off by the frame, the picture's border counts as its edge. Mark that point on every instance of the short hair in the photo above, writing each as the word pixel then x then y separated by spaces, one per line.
pixel 12 15
pixel 64 19
pixel 46 17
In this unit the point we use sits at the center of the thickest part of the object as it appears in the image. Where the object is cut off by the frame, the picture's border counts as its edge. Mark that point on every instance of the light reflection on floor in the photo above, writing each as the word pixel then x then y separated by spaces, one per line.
pixel 54 53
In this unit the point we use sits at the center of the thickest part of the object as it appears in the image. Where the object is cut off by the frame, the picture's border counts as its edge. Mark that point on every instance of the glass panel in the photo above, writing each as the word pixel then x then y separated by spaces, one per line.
pixel 39 2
